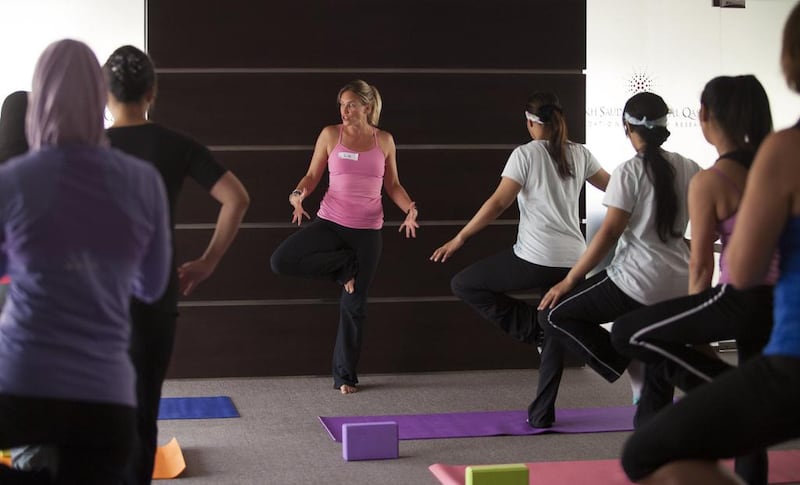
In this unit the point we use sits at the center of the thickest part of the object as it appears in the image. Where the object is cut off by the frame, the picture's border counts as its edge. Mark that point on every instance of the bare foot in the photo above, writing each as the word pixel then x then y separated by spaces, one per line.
pixel 348 389
pixel 350 287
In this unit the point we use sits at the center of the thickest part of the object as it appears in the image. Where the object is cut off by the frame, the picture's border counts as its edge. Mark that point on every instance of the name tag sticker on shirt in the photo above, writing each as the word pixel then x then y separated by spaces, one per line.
pixel 348 155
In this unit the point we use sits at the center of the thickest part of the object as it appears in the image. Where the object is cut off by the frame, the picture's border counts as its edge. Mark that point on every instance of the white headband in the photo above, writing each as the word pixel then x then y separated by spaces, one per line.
pixel 534 118
pixel 649 124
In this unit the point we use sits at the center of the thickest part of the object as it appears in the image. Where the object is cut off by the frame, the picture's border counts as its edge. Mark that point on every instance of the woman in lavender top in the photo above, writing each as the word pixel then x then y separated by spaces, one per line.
pixel 85 227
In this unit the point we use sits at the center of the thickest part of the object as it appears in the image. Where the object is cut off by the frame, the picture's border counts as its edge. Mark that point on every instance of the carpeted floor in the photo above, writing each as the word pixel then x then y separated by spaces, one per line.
pixel 279 440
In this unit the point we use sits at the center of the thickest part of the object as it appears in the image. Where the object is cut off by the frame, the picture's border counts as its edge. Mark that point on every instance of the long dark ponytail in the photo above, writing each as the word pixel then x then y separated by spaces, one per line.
pixel 645 114
pixel 547 109
pixel 740 107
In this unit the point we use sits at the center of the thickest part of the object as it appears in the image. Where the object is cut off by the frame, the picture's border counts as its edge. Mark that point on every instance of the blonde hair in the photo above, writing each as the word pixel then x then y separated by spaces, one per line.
pixel 790 53
pixel 368 95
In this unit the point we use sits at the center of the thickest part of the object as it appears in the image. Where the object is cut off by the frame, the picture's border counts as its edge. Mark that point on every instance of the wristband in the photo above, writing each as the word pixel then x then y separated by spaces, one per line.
pixel 296 192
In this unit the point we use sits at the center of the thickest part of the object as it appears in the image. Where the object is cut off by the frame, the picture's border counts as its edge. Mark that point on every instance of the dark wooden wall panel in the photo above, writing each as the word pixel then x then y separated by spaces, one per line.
pixel 230 109
pixel 253 341
pixel 385 34
pixel 404 268
pixel 436 179
pixel 257 81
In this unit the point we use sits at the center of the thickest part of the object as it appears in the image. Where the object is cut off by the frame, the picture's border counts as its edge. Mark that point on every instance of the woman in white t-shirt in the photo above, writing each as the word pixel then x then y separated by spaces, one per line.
pixel 545 176
pixel 646 220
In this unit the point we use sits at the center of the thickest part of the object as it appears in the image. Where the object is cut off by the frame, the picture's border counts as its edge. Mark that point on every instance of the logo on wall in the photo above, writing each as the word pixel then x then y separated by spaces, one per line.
pixel 640 80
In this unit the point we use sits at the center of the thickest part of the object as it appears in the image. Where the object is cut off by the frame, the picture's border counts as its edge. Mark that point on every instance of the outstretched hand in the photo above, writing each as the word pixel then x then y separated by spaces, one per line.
pixel 193 273
pixel 296 201
pixel 446 250
pixel 410 224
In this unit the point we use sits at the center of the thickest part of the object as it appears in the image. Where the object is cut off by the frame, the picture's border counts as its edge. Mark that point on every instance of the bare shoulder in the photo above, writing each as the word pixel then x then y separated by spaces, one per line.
pixel 330 132
pixel 385 141
pixel 384 137
pixel 706 187
pixel 781 146
pixel 777 164
pixel 328 138
pixel 704 179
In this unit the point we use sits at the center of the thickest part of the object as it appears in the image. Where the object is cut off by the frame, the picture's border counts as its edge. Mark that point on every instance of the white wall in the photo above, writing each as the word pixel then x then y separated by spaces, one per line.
pixel 28 26
pixel 675 47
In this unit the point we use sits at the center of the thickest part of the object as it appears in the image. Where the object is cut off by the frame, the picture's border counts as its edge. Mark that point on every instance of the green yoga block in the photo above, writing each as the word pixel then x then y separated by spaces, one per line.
pixel 514 474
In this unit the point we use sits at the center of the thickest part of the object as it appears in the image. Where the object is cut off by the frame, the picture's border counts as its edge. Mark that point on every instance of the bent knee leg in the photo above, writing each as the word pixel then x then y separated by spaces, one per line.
pixel 276 263
pixel 622 331
pixel 463 286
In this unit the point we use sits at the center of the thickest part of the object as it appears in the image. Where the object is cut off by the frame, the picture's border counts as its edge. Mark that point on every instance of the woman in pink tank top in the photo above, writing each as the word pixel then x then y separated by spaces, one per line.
pixel 343 243
pixel 735 118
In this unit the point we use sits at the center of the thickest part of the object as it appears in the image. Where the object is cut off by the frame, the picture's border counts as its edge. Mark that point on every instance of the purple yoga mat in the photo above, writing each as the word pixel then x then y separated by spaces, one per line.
pixel 491 423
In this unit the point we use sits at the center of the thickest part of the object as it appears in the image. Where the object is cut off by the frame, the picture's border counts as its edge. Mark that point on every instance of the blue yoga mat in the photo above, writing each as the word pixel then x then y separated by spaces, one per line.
pixel 210 407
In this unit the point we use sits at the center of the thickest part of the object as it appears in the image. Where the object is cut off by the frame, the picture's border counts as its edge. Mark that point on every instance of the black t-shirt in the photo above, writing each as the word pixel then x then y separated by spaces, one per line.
pixel 176 157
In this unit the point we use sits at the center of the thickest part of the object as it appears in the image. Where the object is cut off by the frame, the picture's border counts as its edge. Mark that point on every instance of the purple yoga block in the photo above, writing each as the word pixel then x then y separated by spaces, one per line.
pixel 370 441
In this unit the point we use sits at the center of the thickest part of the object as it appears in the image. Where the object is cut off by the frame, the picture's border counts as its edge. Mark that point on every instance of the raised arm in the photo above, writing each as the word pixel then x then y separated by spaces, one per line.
pixel 495 205
pixel 703 219
pixel 600 179
pixel 770 197
pixel 614 224
pixel 394 190
pixel 309 182
pixel 234 200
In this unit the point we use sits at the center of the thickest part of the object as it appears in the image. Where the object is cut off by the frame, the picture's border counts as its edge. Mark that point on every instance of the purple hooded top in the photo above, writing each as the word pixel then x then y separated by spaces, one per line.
pixel 68 97
pixel 84 228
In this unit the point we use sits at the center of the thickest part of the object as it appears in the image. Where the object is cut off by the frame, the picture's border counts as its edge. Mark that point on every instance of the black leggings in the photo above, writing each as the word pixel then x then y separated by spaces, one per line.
pixel 152 341
pixel 575 323
pixel 326 250
pixel 93 439
pixel 576 320
pixel 744 410
pixel 484 286
pixel 663 331
pixel 660 335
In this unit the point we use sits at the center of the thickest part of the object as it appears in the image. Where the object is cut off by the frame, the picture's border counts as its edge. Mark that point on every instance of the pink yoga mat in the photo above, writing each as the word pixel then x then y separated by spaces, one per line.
pixel 784 467
pixel 491 423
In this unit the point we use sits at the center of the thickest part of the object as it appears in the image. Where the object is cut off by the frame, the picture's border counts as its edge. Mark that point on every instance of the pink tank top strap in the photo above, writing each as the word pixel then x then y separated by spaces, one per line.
pixel 726 178
pixel 377 145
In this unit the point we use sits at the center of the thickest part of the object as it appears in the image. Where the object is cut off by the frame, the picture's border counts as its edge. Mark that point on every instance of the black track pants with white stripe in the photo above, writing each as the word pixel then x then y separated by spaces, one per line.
pixel 667 330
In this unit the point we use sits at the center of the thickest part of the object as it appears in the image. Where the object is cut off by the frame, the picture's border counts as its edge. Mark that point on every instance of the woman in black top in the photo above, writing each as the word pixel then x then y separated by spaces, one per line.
pixel 12 125
pixel 12 143
pixel 132 84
